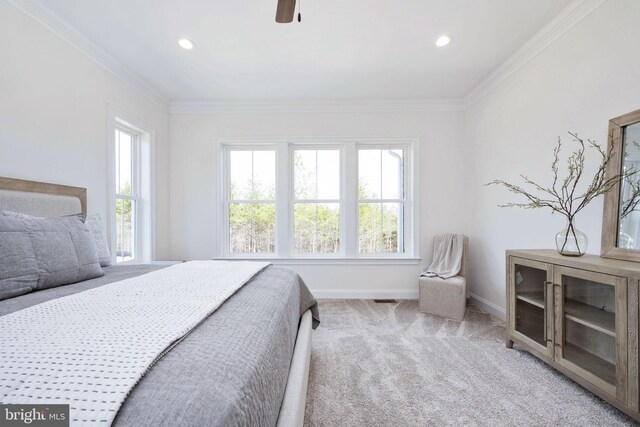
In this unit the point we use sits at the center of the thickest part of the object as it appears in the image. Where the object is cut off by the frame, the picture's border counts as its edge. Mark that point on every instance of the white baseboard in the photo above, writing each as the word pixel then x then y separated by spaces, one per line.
pixel 482 303
pixel 365 293
pixel 488 306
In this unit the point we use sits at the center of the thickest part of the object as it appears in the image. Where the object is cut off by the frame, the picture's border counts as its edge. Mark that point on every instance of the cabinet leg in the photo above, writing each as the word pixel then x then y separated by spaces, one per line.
pixel 509 343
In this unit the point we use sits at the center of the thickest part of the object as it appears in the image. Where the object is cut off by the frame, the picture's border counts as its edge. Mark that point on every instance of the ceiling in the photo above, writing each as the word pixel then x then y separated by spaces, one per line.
pixel 355 49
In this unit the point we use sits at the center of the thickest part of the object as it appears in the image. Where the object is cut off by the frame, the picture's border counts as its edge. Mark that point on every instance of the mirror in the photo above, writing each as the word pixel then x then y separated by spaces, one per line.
pixel 629 211
pixel 621 219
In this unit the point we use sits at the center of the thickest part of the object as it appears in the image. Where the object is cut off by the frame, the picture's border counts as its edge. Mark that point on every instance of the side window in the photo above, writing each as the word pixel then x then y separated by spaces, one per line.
pixel 127 194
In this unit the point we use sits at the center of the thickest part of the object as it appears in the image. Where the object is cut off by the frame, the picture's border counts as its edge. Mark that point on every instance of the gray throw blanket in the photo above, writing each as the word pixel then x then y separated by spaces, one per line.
pixel 447 256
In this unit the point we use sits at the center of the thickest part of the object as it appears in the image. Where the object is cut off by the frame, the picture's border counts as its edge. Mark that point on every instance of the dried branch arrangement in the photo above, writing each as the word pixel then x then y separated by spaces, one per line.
pixel 564 196
pixel 630 204
pixel 631 199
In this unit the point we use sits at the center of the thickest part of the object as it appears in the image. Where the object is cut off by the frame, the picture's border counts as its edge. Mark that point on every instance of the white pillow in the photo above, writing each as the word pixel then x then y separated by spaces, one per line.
pixel 94 224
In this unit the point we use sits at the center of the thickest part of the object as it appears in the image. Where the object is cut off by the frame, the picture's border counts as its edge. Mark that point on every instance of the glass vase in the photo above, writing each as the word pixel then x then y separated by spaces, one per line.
pixel 571 242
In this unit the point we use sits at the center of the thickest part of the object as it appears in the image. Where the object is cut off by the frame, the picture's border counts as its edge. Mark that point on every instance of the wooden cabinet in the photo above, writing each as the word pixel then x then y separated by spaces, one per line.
pixel 580 315
pixel 531 313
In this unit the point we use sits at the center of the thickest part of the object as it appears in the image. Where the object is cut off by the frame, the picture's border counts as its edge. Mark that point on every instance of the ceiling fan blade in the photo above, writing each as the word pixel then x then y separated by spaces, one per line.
pixel 285 11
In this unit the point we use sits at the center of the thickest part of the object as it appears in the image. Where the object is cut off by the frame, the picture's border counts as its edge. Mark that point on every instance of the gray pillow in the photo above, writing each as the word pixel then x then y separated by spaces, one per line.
pixel 19 271
pixel 81 216
pixel 95 227
pixel 44 253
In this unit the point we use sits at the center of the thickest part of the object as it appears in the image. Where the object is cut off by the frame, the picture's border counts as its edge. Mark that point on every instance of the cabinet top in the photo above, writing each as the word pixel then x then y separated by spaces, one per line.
pixel 585 262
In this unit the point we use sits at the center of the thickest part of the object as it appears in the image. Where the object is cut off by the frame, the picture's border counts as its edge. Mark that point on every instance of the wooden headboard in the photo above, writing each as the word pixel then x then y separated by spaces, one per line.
pixel 39 194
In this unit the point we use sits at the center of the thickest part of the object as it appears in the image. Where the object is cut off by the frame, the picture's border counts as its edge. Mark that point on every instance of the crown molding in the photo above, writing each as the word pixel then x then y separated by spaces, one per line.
pixel 68 33
pixel 318 106
pixel 563 22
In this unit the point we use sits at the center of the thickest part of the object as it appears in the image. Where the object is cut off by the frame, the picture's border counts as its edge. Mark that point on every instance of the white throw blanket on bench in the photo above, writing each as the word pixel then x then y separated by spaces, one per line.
pixel 447 257
pixel 90 349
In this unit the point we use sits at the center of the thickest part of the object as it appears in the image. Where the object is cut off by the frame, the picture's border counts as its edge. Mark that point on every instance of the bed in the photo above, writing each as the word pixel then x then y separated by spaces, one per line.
pixel 247 363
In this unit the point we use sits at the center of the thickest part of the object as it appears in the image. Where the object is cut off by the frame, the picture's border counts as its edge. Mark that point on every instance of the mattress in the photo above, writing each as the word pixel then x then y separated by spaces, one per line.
pixel 231 370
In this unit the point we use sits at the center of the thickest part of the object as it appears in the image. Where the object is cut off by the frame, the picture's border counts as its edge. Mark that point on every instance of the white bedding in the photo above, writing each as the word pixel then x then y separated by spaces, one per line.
pixel 102 341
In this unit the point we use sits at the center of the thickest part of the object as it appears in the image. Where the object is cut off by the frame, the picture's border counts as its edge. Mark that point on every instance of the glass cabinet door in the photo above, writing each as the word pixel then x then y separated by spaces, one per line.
pixel 530 316
pixel 591 327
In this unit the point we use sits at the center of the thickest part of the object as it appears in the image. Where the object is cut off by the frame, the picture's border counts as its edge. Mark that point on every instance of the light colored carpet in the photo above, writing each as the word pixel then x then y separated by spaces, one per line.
pixel 389 365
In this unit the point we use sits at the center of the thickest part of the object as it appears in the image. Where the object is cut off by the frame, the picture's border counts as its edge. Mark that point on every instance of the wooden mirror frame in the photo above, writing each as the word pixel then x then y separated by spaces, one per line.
pixel 611 212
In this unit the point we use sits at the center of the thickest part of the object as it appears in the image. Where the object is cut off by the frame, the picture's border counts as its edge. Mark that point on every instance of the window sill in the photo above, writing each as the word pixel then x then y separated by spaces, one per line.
pixel 129 262
pixel 328 261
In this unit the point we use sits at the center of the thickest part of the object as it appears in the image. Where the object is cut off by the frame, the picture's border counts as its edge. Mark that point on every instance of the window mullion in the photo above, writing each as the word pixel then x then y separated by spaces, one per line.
pixel 224 189
pixel 349 200
pixel 118 166
pixel 122 232
pixel 135 164
pixel 381 206
pixel 284 194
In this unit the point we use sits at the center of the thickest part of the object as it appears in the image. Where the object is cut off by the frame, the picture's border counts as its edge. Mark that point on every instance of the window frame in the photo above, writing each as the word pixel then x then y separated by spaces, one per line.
pixel 227 201
pixel 349 200
pixel 292 200
pixel 145 213
pixel 406 201
pixel 135 191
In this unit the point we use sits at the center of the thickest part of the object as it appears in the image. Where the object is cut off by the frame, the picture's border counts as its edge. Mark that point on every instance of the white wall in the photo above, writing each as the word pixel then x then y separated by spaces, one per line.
pixel 193 183
pixel 53 103
pixel 589 75
pixel 53 115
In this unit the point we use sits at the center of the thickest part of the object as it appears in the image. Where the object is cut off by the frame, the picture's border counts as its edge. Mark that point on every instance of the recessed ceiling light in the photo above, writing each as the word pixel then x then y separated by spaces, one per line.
pixel 443 41
pixel 186 44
